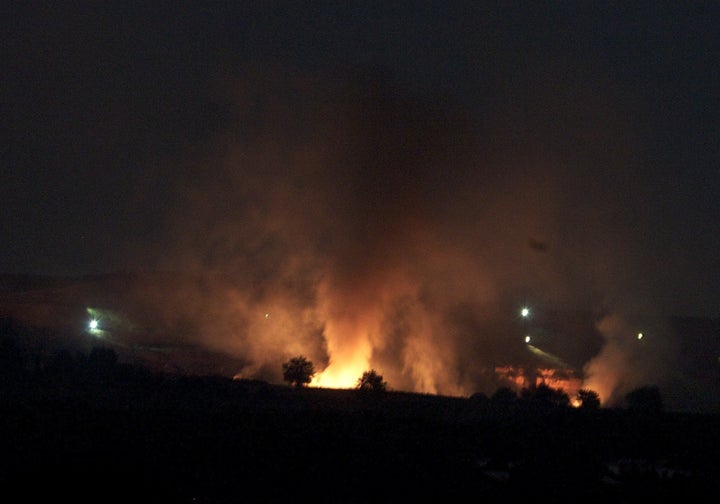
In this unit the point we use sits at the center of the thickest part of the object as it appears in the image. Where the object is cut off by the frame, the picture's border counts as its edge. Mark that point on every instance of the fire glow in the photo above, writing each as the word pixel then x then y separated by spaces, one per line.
pixel 366 230
pixel 520 377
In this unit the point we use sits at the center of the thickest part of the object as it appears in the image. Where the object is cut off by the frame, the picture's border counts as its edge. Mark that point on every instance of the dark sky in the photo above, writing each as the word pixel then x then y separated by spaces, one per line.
pixel 607 112
pixel 370 169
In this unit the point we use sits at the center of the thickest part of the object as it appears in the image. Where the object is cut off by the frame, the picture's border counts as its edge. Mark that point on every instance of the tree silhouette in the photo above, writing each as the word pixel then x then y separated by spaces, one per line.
pixel 64 364
pixel 298 371
pixel 504 395
pixel 588 399
pixel 646 399
pixel 11 357
pixel 371 381
pixel 102 359
pixel 545 396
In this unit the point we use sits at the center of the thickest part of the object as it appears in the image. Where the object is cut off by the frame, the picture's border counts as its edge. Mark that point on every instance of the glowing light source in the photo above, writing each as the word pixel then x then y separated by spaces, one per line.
pixel 525 312
pixel 640 335
pixel 527 339
pixel 94 328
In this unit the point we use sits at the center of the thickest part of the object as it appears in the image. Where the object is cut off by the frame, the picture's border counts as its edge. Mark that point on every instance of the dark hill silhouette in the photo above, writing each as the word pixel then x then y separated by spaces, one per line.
pixel 90 427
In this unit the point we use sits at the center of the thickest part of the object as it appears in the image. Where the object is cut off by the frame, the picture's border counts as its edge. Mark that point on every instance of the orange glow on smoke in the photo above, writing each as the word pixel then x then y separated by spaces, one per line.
pixel 606 372
pixel 515 375
pixel 604 386
pixel 348 335
pixel 558 379
pixel 340 377
pixel 602 379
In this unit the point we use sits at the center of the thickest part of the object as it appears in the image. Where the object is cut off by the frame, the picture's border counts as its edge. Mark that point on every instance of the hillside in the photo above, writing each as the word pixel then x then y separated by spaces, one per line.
pixel 116 432
pixel 90 426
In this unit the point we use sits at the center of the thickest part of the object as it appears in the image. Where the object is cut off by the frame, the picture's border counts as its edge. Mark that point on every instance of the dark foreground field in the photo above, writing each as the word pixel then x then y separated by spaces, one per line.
pixel 125 434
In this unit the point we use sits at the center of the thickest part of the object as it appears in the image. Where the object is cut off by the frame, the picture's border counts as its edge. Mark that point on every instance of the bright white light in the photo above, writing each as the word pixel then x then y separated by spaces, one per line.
pixel 640 335
pixel 527 339
pixel 525 312
pixel 93 324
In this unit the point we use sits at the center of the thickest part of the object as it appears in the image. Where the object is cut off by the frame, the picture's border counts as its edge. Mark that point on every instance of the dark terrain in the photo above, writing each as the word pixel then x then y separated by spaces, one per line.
pixel 104 431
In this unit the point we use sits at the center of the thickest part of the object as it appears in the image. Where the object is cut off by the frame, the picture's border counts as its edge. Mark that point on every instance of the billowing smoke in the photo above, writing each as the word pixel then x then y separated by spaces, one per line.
pixel 635 353
pixel 365 228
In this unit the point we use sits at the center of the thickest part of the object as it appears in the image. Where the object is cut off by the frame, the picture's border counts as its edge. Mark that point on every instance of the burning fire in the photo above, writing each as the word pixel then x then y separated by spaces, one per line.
pixel 559 379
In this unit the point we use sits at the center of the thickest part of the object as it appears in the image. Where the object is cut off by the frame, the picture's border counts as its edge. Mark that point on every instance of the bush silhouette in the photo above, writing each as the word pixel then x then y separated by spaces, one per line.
pixel 545 396
pixel 504 395
pixel 646 399
pixel 588 399
pixel 371 381
pixel 298 371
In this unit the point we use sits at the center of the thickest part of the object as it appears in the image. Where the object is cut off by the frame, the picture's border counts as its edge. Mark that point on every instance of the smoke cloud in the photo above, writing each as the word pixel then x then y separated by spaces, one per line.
pixel 632 355
pixel 343 220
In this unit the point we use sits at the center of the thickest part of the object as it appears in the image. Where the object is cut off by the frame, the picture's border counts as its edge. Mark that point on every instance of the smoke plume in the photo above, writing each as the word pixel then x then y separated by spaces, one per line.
pixel 343 220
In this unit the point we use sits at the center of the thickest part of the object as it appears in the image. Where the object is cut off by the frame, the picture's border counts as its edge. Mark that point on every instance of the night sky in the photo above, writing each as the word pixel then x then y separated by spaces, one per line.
pixel 347 164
